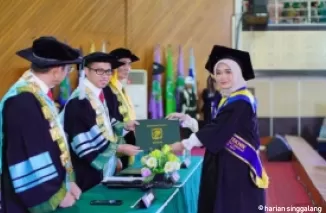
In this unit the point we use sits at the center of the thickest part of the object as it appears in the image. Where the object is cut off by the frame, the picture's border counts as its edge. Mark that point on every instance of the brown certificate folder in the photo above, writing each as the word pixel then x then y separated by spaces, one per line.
pixel 153 134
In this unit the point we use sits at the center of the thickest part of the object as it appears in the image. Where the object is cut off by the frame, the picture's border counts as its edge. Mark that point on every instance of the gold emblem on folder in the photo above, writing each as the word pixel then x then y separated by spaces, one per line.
pixel 157 133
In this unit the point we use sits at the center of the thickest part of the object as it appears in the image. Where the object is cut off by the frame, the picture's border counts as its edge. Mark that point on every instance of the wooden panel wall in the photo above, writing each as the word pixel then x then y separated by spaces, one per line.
pixel 138 25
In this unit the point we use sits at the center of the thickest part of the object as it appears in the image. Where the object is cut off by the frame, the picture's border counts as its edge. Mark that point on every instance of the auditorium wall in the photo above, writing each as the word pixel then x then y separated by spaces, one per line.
pixel 289 104
pixel 138 25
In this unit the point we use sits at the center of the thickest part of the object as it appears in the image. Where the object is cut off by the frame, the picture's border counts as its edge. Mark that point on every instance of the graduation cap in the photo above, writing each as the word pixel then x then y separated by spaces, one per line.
pixel 102 57
pixel 241 57
pixel 157 68
pixel 124 53
pixel 47 52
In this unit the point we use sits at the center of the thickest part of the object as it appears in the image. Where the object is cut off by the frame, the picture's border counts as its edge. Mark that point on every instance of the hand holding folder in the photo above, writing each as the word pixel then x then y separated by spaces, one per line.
pixel 153 134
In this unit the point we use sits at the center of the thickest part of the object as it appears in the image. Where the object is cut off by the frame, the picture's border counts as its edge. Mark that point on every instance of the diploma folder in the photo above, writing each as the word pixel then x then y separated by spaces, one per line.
pixel 153 134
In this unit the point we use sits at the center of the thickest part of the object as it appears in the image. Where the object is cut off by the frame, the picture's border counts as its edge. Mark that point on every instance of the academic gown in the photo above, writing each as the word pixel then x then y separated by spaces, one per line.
pixel 113 105
pixel 33 178
pixel 226 185
pixel 208 100
pixel 90 150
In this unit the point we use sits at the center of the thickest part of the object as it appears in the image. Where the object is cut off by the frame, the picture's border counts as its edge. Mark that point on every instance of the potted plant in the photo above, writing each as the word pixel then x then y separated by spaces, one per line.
pixel 160 164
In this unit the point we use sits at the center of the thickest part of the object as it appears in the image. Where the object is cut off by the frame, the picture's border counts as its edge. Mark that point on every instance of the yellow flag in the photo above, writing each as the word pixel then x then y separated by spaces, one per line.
pixel 104 47
pixel 93 48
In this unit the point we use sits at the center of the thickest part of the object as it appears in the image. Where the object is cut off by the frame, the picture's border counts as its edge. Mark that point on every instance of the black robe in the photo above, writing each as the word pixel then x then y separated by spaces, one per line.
pixel 113 105
pixel 33 178
pixel 208 99
pixel 226 185
pixel 90 151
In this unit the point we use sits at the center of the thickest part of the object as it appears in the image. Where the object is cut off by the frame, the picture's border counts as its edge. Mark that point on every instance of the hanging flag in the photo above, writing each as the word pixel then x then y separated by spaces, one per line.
pixel 180 78
pixel 92 48
pixel 170 104
pixel 192 69
pixel 65 91
pixel 104 47
pixel 156 104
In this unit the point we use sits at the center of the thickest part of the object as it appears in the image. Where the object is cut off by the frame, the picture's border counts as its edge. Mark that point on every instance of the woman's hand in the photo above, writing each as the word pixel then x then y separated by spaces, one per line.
pixel 177 147
pixel 177 116
pixel 186 120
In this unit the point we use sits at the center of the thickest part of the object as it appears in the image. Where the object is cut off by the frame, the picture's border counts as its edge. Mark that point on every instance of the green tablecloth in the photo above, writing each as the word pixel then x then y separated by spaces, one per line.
pixel 180 199
pixel 129 197
pixel 189 187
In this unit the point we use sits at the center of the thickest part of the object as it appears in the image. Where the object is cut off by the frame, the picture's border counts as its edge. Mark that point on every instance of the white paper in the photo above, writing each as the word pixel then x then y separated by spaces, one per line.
pixel 126 179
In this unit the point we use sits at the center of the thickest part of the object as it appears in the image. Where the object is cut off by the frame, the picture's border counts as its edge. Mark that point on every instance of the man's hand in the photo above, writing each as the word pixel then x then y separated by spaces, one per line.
pixel 119 166
pixel 68 201
pixel 75 190
pixel 128 149
pixel 131 125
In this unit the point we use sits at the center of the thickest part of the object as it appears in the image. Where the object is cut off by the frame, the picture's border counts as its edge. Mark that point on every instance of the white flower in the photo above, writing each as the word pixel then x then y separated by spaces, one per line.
pixel 151 162
pixel 169 167
pixel 177 166
pixel 143 160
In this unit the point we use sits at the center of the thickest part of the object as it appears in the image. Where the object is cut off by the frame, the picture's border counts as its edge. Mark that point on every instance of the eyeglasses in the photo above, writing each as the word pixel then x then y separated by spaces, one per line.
pixel 101 71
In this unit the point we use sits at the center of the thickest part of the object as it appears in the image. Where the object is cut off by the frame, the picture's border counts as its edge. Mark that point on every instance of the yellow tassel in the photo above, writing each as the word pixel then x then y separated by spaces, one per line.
pixel 262 182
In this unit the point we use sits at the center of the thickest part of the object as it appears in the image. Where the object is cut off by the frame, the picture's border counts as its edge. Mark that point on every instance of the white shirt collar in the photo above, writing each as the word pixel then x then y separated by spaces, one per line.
pixel 39 82
pixel 97 91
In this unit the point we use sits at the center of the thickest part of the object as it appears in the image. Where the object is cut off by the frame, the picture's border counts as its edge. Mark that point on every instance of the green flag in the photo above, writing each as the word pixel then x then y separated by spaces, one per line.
pixel 170 104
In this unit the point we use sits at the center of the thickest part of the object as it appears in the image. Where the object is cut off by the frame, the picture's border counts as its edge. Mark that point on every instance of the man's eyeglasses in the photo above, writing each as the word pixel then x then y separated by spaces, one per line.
pixel 101 71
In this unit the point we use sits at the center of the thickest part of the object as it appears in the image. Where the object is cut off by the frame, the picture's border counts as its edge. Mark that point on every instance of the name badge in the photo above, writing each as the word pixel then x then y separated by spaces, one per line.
pixel 175 177
pixel 147 199
pixel 186 163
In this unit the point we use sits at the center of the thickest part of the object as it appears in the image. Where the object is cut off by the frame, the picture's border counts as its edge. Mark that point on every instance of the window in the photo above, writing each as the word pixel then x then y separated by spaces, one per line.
pixel 285 12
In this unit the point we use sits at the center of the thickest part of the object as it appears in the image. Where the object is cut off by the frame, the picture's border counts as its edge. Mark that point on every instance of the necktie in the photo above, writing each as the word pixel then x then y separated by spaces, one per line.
pixel 101 96
pixel 50 95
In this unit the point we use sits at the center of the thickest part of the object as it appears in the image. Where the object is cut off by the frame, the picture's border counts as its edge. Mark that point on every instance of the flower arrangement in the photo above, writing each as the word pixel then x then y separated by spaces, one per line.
pixel 162 161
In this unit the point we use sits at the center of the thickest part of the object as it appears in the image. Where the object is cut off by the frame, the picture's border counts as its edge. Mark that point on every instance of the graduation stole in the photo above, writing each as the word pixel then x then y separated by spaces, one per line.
pixel 126 108
pixel 50 113
pixel 245 152
pixel 101 117
pixel 242 149
pixel 241 94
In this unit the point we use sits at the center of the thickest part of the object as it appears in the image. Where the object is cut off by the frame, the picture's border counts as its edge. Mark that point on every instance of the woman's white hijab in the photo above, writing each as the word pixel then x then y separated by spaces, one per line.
pixel 238 80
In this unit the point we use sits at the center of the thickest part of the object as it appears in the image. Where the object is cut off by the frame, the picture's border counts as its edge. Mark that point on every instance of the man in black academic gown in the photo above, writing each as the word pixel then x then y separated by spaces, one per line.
pixel 95 137
pixel 37 174
pixel 119 102
pixel 233 178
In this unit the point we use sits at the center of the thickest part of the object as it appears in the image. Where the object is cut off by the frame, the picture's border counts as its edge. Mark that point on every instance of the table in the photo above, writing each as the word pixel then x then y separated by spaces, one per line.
pixel 180 199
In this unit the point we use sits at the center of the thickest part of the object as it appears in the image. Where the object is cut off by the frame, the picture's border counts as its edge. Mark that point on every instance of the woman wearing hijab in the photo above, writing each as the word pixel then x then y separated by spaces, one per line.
pixel 233 179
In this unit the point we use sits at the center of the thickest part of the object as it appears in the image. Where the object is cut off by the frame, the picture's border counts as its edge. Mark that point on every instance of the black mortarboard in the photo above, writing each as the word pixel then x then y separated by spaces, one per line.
pixel 102 57
pixel 124 53
pixel 157 68
pixel 241 57
pixel 48 52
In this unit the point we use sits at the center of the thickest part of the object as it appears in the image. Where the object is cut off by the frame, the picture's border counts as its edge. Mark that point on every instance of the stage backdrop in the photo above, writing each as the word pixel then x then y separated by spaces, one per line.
pixel 138 25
